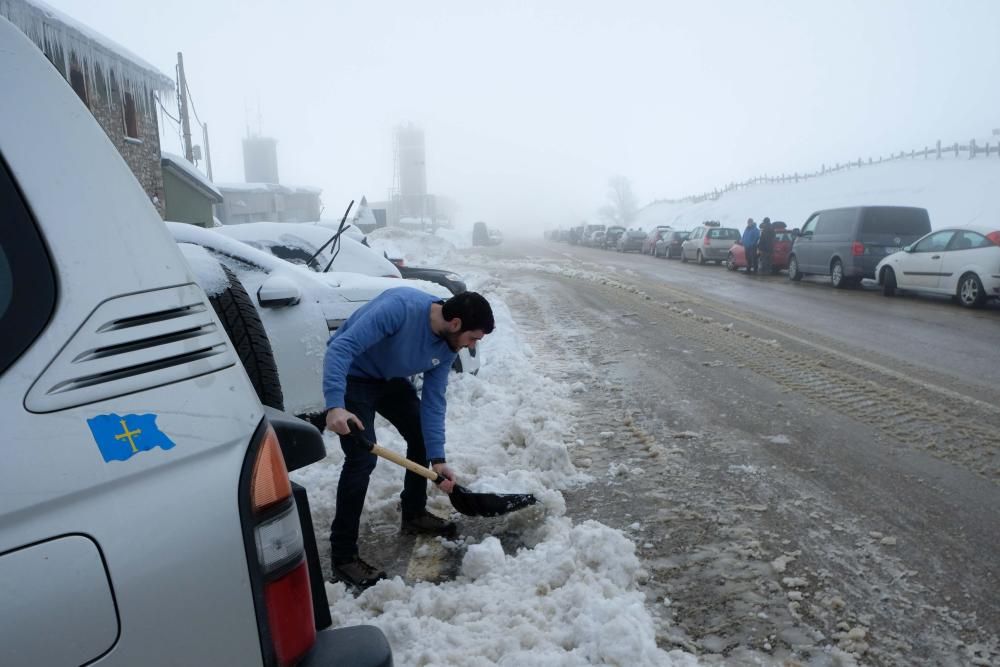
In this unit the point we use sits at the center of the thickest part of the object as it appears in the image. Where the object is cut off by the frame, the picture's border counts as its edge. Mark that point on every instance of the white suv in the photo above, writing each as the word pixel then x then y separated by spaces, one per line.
pixel 146 516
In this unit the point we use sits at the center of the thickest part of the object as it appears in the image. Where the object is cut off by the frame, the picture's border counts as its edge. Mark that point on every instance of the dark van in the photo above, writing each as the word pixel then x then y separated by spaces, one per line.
pixel 847 243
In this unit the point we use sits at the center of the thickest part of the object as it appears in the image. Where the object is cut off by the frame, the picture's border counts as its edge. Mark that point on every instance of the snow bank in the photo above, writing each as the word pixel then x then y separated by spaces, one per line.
pixel 417 248
pixel 955 191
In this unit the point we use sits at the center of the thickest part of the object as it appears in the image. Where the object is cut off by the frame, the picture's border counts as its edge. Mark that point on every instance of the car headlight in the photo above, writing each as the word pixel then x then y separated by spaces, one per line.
pixel 452 276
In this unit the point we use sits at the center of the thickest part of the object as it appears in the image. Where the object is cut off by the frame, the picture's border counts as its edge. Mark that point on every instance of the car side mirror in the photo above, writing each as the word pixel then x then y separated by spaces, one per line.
pixel 278 292
pixel 908 248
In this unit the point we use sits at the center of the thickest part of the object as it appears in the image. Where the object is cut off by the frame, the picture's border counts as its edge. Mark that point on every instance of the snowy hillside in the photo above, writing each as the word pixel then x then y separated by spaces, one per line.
pixel 954 191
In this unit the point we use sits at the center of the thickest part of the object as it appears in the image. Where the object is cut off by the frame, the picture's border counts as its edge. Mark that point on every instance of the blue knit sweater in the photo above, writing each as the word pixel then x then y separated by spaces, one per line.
pixel 391 337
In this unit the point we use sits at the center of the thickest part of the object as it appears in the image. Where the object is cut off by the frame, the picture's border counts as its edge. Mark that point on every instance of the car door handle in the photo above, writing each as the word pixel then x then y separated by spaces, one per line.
pixel 936 257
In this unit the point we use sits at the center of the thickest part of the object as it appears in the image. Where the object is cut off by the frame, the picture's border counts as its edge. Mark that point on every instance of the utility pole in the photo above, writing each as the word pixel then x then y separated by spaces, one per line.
pixel 183 108
pixel 208 150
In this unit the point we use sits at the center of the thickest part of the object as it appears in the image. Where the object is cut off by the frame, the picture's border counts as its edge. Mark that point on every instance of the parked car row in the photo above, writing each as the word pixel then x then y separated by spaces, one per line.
pixel 891 245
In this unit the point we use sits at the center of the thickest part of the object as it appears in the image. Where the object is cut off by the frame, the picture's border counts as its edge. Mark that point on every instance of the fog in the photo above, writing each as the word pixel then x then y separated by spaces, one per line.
pixel 529 107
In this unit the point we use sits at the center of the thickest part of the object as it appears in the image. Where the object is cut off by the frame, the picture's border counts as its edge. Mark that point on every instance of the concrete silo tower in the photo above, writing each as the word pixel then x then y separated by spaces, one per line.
pixel 411 172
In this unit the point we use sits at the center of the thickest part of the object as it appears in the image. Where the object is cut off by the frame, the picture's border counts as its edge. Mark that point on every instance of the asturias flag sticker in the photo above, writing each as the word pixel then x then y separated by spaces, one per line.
pixel 120 438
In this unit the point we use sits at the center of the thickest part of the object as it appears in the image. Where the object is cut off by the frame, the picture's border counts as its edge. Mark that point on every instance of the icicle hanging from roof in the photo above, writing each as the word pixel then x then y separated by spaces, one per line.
pixel 56 33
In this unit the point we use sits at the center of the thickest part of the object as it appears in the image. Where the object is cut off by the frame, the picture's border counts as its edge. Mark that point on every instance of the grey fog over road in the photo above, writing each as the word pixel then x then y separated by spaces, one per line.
pixel 801 468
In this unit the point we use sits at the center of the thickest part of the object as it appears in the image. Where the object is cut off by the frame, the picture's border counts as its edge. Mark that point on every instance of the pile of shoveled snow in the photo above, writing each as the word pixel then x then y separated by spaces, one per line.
pixel 416 247
pixel 570 598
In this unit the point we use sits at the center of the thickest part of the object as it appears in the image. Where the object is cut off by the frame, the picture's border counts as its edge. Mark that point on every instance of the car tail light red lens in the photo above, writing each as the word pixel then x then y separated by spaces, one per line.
pixel 995 237
pixel 707 240
pixel 290 618
pixel 857 248
pixel 276 553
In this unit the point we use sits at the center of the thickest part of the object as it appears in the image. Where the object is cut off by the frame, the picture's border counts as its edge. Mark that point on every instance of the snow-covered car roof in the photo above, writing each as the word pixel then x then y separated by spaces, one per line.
pixel 350 286
pixel 352 256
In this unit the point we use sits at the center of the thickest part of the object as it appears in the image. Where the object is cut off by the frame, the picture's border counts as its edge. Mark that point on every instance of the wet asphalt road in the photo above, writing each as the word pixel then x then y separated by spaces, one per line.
pixel 926 330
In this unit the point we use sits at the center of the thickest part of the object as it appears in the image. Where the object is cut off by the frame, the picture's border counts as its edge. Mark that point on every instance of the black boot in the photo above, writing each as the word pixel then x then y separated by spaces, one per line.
pixel 357 573
pixel 426 523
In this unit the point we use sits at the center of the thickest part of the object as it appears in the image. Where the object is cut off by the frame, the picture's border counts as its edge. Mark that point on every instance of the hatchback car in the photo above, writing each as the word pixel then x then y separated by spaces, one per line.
pixel 611 236
pixel 669 245
pixel 783 240
pixel 631 241
pixel 847 243
pixel 654 235
pixel 147 517
pixel 709 243
pixel 961 262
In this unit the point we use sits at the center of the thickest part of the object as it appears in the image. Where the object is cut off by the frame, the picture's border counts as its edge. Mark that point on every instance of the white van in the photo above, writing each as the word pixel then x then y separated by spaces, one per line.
pixel 146 516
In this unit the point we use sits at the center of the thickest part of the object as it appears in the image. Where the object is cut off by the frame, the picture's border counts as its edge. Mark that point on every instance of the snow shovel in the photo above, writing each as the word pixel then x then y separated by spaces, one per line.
pixel 464 501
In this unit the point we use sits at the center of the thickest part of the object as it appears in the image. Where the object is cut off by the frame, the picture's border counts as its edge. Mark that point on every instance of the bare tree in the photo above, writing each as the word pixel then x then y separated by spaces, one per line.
pixel 622 208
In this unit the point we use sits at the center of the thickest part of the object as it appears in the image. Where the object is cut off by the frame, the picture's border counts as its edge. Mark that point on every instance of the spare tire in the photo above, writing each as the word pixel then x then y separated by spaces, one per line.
pixel 244 328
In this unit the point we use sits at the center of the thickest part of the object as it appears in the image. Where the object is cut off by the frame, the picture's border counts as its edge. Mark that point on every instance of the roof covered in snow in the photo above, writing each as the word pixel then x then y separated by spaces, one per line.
pixel 273 188
pixel 57 33
pixel 187 171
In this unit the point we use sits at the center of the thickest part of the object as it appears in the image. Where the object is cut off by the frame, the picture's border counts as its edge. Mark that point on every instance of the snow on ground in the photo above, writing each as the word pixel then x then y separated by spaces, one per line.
pixel 955 191
pixel 571 596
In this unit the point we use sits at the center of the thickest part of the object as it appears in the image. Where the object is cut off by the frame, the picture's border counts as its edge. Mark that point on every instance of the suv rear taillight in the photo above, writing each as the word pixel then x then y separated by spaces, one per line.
pixel 706 243
pixel 275 553
pixel 857 248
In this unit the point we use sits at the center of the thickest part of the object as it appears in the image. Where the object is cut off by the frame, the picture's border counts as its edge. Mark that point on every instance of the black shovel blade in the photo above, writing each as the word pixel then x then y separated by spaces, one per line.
pixel 488 504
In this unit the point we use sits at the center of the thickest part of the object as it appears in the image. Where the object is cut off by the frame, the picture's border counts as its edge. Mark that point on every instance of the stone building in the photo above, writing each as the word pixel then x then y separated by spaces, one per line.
pixel 117 86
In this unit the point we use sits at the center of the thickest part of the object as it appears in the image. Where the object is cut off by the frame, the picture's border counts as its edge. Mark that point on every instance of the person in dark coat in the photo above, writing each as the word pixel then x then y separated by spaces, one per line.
pixel 750 237
pixel 765 247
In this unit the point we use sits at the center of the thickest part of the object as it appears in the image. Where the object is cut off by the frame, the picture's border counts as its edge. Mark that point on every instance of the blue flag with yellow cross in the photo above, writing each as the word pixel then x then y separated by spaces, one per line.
pixel 122 437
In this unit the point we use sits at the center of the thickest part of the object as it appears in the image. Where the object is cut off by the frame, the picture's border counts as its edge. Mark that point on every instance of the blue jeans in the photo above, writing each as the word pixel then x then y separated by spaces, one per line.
pixel 397 401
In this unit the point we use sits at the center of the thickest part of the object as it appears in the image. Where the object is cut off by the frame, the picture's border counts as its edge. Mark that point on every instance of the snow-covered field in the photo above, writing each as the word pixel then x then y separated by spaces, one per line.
pixel 955 191
pixel 571 596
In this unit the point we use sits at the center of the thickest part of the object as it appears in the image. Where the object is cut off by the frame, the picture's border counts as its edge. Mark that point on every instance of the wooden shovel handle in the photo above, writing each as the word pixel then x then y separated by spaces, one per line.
pixel 412 466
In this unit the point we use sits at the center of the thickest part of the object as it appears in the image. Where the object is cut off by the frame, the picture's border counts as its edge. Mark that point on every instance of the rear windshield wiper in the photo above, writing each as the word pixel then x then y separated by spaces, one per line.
pixel 333 239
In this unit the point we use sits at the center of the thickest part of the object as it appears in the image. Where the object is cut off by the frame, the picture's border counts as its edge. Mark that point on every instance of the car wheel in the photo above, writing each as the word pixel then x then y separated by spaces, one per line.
pixel 701 258
pixel 888 282
pixel 837 275
pixel 970 291
pixel 730 262
pixel 793 269
pixel 243 326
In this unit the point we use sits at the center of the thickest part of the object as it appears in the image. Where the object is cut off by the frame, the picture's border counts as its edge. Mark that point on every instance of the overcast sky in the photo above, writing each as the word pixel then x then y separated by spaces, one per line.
pixel 529 107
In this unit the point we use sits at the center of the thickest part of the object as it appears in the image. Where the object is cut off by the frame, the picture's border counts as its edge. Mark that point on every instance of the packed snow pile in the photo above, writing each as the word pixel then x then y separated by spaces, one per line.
pixel 417 248
pixel 569 597
pixel 954 191
pixel 570 600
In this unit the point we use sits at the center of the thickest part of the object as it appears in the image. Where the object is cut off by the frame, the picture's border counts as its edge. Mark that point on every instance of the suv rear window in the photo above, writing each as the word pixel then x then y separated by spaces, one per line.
pixel 894 221
pixel 27 283
pixel 724 233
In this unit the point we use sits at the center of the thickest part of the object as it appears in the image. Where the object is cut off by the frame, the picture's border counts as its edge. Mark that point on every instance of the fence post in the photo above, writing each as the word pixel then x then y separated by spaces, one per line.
pixel 926 152
pixel 972 148
pixel 956 149
pixel 939 149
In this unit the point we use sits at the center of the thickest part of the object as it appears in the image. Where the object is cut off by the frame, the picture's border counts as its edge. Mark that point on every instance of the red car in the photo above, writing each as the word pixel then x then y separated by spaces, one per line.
pixel 783 238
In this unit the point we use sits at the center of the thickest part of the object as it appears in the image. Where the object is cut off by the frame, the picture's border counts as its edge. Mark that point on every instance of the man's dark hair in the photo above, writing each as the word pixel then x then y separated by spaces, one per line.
pixel 472 308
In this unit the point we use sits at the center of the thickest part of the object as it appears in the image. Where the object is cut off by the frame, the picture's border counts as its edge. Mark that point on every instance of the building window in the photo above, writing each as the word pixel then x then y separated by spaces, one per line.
pixel 79 83
pixel 129 116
